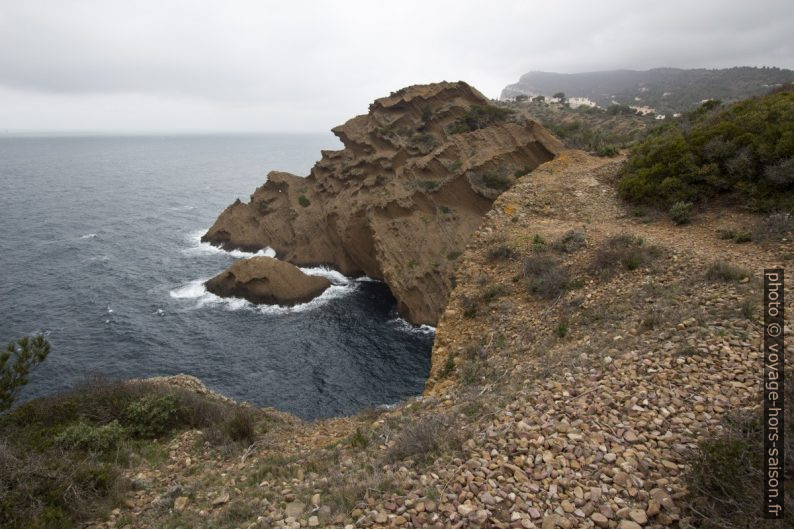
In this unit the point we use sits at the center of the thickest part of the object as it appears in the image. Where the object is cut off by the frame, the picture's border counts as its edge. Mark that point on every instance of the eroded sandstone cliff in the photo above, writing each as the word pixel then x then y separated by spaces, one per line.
pixel 400 201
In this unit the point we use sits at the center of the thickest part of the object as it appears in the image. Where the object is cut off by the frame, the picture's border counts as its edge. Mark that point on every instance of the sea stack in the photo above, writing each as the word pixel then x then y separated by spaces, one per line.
pixel 267 280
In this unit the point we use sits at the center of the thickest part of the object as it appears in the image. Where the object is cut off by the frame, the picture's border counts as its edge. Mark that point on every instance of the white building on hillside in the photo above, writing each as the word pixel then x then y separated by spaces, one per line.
pixel 576 102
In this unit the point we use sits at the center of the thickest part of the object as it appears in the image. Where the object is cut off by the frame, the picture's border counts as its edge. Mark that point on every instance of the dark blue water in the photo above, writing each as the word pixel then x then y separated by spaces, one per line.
pixel 99 250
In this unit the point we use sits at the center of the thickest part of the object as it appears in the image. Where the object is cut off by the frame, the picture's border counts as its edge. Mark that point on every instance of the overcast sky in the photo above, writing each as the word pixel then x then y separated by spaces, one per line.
pixel 301 66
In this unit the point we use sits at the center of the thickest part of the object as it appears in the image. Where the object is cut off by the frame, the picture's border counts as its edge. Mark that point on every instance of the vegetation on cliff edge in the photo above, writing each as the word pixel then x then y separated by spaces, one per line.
pixel 743 151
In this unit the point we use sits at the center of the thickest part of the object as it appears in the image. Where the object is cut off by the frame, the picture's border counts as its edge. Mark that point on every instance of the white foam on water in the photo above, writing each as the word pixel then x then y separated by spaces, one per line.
pixel 88 236
pixel 336 278
pixel 195 290
pixel 198 247
pixel 404 325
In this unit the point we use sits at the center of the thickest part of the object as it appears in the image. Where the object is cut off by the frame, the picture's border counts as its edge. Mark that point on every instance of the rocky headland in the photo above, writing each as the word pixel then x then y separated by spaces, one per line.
pixel 400 201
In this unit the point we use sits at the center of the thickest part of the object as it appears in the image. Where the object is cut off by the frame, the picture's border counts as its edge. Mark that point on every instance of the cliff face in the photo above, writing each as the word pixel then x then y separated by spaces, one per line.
pixel 400 201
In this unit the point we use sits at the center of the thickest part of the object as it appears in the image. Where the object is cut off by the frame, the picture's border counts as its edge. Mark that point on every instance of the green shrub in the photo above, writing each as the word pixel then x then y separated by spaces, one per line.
pixel 91 438
pixel 453 255
pixel 303 201
pixel 423 142
pixel 681 212
pixel 479 117
pixel 152 416
pixel 538 243
pixel 429 185
pixel 739 237
pixel 607 151
pixel 743 151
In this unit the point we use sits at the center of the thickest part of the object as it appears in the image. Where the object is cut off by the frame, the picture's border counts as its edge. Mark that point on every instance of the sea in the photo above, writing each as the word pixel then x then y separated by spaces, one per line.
pixel 100 252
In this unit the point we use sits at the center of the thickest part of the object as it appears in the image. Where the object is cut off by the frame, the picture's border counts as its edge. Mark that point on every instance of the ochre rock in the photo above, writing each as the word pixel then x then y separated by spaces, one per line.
pixel 267 280
pixel 400 201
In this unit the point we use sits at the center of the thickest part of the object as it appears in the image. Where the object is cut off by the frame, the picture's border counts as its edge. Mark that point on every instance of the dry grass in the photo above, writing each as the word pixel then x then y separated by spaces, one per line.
pixel 425 439
pixel 623 252
pixel 726 272
pixel 725 480
pixel 546 277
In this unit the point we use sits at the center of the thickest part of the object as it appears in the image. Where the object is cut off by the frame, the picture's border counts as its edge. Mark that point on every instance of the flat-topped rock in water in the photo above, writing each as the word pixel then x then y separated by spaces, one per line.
pixel 267 280
pixel 400 201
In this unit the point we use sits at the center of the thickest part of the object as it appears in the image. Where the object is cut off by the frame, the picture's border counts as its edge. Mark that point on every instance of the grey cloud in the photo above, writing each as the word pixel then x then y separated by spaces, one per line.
pixel 300 65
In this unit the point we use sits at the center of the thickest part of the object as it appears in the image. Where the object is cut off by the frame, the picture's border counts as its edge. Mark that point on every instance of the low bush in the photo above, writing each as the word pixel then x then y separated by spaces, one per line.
pixel 725 272
pixel 681 212
pixel 538 243
pixel 479 117
pixel 303 201
pixel 426 439
pixel 739 237
pixel 469 305
pixel 623 251
pixel 152 416
pixel 500 252
pixel 570 242
pixel 428 185
pixel 607 151
pixel 493 292
pixel 53 492
pixel 88 437
pixel 240 427
pixel 545 276
pixel 422 142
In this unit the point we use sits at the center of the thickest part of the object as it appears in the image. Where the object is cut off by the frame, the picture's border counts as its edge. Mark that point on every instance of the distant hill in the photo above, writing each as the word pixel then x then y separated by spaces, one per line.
pixel 667 90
